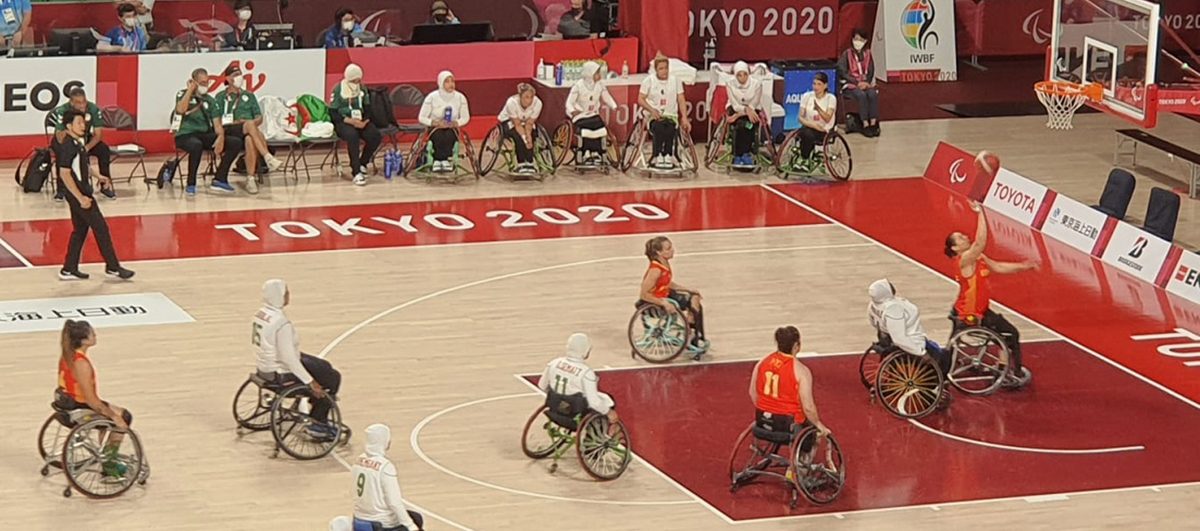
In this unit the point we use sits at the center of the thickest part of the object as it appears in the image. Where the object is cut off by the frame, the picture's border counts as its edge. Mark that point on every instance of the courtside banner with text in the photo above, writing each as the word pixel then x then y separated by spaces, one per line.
pixel 1074 223
pixel 287 74
pixel 1185 279
pixel 128 309
pixel 1016 197
pixel 764 29
pixel 31 87
pixel 1136 252
pixel 914 41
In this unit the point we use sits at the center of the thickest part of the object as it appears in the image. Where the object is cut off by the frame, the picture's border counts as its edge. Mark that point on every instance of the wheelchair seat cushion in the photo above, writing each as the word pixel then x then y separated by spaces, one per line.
pixel 565 409
pixel 774 428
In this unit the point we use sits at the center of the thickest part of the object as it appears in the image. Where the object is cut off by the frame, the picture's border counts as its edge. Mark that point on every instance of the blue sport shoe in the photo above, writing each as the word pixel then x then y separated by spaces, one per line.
pixel 191 190
pixel 221 186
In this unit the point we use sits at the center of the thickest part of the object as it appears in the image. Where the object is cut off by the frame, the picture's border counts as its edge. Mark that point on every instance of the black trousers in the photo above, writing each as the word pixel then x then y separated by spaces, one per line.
pixel 329 378
pixel 443 141
pixel 524 153
pixel 744 132
pixel 662 131
pixel 1012 337
pixel 809 138
pixel 591 123
pixel 360 143
pixel 101 151
pixel 194 145
pixel 868 102
pixel 376 526
pixel 82 220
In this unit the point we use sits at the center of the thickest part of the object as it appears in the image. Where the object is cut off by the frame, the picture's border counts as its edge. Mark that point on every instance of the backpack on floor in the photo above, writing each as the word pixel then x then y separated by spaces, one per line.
pixel 380 108
pixel 37 172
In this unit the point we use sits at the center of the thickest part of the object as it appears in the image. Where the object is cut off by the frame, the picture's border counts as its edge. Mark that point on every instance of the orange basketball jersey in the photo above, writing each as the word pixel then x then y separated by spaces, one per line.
pixel 974 292
pixel 662 287
pixel 778 390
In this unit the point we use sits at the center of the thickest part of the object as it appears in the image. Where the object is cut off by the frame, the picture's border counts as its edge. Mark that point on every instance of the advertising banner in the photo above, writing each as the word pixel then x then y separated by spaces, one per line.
pixel 1136 252
pixel 1074 223
pixel 286 74
pixel 917 40
pixel 31 87
pixel 1016 197
pixel 754 30
pixel 1185 279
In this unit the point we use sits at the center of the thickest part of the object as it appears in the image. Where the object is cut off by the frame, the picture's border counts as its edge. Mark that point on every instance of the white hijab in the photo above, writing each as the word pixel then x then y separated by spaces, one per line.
pixel 743 92
pixel 589 73
pixel 273 293
pixel 447 95
pixel 353 73
pixel 578 346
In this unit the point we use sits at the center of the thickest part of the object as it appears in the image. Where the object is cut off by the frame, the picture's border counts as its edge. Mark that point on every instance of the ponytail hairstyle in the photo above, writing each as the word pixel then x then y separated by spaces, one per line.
pixel 525 87
pixel 950 246
pixel 654 245
pixel 74 333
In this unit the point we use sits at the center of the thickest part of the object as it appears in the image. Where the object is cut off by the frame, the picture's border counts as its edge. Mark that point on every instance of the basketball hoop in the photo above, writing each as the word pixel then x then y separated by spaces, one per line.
pixel 1063 98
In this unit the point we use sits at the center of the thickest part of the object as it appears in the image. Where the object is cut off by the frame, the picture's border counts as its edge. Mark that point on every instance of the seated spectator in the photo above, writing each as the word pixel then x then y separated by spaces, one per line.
pixel 578 21
pixel 341 33
pixel 197 127
pixel 129 37
pixel 243 34
pixel 856 70
pixel 445 110
pixel 518 120
pixel 15 16
pixel 583 108
pixel 350 110
pixel 439 13
pixel 94 146
pixel 241 118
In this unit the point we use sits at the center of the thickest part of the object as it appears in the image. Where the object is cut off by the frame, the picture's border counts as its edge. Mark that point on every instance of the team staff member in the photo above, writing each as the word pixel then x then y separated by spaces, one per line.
pixel 240 117
pixel 781 385
pixel 92 136
pixel 15 16
pixel 973 271
pixel 351 106
pixel 243 34
pixel 661 97
pixel 73 172
pixel 518 120
pixel 856 70
pixel 78 389
pixel 198 127
pixel 378 503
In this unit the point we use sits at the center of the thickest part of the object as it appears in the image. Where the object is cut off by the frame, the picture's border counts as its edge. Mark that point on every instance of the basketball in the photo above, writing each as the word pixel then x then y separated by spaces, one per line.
pixel 987 163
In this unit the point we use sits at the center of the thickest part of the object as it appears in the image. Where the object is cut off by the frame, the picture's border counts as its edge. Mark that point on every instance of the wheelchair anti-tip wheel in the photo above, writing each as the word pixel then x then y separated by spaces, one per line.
pixel 656 335
pixel 300 435
pixel 603 447
pixel 820 472
pixel 909 386
pixel 979 361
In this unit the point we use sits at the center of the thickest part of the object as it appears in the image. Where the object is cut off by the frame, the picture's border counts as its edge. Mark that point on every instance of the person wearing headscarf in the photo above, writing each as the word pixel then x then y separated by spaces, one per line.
pixel 661 98
pixel 350 104
pixel 518 120
pixel 583 108
pixel 378 503
pixel 744 115
pixel 897 323
pixel 444 110
pixel 277 347
pixel 856 70
pixel 570 374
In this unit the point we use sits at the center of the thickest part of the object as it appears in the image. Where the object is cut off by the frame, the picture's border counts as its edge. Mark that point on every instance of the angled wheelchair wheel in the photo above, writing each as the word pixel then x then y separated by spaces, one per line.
pixel 748 457
pixel 416 156
pixel 656 335
pixel 766 139
pixel 542 437
pixel 296 432
pixel 468 149
pixel 631 150
pixel 562 142
pixel 252 406
pixel 51 437
pixel 489 151
pixel 820 469
pixel 909 386
pixel 543 152
pixel 101 461
pixel 979 361
pixel 787 158
pixel 685 151
pixel 603 447
pixel 868 368
pixel 717 146
pixel 838 161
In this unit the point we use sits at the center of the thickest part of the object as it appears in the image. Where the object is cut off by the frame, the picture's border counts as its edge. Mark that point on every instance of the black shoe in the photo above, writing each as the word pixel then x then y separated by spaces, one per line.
pixel 60 196
pixel 63 274
pixel 120 272
pixel 108 192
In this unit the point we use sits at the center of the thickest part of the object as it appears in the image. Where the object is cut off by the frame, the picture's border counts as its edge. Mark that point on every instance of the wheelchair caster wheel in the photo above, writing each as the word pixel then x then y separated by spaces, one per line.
pixel 46 470
pixel 275 454
pixel 553 467
pixel 67 492
pixel 142 482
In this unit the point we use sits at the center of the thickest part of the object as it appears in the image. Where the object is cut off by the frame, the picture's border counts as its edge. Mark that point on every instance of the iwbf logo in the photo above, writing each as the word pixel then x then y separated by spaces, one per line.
pixel 1033 27
pixel 916 25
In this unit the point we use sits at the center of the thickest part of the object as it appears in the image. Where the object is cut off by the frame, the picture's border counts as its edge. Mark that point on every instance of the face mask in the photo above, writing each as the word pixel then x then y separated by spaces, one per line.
pixel 244 14
pixel 129 22
pixel 348 25
pixel 858 45
pixel 237 82
pixel 202 90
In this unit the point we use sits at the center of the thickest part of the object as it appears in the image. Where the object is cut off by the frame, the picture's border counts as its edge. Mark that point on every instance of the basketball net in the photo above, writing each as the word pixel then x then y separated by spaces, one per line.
pixel 1062 99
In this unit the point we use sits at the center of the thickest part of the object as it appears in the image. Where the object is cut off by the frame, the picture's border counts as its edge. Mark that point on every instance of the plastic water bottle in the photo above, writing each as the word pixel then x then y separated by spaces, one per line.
pixel 624 68
pixel 558 74
pixel 541 69
pixel 448 115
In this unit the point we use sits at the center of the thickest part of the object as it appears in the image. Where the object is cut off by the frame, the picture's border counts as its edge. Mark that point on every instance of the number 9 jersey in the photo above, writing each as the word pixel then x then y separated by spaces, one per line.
pixel 777 389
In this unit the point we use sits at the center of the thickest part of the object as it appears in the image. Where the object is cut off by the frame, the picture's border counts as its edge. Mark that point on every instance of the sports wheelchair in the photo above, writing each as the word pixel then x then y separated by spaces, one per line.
pixel 499 148
pixel 980 360
pixel 638 151
pixel 719 151
pixel 282 405
pixel 830 157
pixel 907 385
pixel 659 336
pixel 79 443
pixel 757 454
pixel 567 144
pixel 564 421
pixel 419 163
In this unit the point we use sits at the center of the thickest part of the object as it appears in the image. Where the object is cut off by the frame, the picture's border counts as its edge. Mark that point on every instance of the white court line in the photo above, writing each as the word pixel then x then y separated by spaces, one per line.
pixel 413 506
pixel 24 261
pixel 416 447
pixel 1030 449
pixel 937 274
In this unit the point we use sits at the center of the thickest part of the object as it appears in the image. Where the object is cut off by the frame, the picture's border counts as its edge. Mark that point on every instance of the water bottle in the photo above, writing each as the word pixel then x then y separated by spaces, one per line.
pixel 558 74
pixel 624 68
pixel 389 164
pixel 541 69
pixel 448 115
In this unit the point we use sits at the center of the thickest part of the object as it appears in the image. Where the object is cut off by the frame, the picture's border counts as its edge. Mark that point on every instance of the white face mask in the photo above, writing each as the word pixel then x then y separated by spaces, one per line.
pixel 237 82
pixel 129 22
pixel 244 14
pixel 858 45
pixel 202 90
pixel 348 25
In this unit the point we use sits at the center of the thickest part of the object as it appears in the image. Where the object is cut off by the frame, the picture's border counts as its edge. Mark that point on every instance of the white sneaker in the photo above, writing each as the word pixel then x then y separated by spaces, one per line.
pixel 274 163
pixel 252 184
pixel 360 180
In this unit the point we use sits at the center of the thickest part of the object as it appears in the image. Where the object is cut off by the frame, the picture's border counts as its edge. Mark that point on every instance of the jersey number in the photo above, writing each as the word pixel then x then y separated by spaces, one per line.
pixel 256 335
pixel 560 385
pixel 362 480
pixel 771 384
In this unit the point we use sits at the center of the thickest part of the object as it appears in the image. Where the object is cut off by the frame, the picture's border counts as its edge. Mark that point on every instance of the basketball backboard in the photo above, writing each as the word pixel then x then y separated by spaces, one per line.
pixel 1113 43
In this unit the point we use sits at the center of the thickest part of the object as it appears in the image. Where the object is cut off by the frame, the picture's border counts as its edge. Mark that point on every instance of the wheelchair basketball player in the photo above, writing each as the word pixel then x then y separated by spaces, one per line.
pixel 569 375
pixel 897 325
pixel 781 388
pixel 972 272
pixel 660 289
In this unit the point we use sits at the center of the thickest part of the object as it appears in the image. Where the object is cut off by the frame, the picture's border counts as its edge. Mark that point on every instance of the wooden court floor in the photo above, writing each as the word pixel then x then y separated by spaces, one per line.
pixel 430 338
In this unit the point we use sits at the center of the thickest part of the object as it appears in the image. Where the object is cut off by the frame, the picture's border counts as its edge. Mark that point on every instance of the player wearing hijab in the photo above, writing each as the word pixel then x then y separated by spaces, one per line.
pixel 897 323
pixel 277 345
pixel 444 110
pixel 378 503
pixel 571 375
pixel 583 108
pixel 744 96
